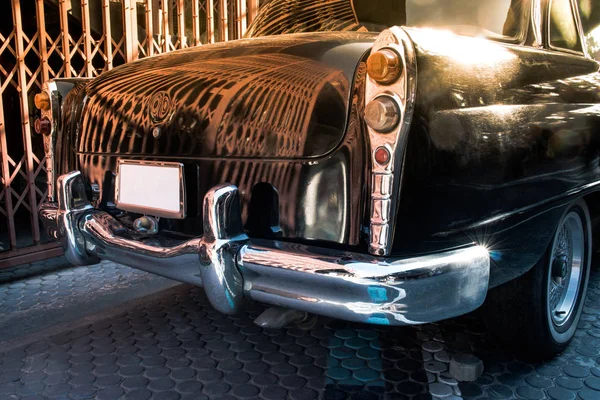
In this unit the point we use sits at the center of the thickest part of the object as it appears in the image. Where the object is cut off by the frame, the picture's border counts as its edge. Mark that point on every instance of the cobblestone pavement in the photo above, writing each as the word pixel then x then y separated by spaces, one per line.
pixel 34 269
pixel 36 295
pixel 175 346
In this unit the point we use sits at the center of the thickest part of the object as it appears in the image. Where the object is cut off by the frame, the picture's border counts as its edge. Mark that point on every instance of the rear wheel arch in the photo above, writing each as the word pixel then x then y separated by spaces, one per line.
pixel 592 201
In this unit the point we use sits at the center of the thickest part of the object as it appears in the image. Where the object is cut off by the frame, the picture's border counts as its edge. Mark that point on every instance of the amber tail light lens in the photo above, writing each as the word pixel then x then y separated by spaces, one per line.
pixel 382 114
pixel 42 101
pixel 384 66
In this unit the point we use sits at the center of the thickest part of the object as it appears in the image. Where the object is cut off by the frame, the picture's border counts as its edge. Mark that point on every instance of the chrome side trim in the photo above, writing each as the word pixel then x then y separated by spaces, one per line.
pixel 231 267
pixel 537 24
pixel 386 180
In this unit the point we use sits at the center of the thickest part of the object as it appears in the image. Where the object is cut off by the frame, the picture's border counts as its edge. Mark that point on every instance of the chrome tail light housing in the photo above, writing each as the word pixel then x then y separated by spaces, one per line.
pixel 49 103
pixel 389 104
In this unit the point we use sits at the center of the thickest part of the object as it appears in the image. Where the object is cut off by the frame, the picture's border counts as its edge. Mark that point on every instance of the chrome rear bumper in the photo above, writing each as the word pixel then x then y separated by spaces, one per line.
pixel 230 266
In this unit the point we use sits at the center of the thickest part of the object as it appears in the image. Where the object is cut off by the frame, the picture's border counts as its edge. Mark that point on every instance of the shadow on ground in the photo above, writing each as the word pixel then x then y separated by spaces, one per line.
pixel 174 345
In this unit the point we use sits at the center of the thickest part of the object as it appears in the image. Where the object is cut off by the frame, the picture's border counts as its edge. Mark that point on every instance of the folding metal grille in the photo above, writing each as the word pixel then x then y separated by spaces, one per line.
pixel 45 39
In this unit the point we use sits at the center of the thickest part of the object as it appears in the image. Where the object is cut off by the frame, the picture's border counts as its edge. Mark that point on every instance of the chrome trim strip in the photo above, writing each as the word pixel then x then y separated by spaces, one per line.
pixel 340 284
pixel 387 180
pixel 147 210
pixel 50 140
pixel 537 24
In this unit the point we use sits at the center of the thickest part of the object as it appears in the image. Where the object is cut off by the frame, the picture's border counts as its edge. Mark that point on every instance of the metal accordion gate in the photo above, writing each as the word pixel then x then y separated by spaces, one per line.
pixel 46 39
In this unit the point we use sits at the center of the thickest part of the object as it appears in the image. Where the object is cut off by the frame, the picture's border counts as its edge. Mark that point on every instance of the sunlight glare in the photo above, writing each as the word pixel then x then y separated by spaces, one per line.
pixel 468 51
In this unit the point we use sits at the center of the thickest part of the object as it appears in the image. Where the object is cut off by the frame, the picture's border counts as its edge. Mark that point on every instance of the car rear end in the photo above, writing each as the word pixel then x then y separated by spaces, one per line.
pixel 267 169
pixel 277 117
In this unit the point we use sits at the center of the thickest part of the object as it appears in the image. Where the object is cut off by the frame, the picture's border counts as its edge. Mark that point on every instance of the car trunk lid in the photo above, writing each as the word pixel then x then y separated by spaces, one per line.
pixel 276 97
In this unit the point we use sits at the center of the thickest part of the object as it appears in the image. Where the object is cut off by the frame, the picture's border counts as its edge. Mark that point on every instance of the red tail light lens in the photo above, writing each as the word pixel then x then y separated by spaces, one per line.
pixel 43 126
pixel 382 156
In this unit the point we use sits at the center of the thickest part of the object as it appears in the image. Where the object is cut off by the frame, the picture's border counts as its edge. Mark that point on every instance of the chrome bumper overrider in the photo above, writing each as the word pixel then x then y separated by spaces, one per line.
pixel 230 266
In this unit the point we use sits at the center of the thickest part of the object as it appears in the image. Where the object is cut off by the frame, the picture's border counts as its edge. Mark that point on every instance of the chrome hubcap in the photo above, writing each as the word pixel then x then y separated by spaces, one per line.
pixel 566 268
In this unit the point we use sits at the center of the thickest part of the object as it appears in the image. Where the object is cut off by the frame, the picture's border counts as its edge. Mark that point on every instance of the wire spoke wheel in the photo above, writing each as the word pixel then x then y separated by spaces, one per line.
pixel 538 313
pixel 566 268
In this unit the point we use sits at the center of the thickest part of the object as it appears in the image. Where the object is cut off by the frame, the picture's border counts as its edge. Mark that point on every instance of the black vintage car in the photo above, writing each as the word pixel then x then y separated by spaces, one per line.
pixel 379 161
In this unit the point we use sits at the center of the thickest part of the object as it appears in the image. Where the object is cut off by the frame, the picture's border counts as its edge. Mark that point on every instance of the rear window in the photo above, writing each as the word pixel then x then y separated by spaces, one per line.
pixel 590 19
pixel 563 29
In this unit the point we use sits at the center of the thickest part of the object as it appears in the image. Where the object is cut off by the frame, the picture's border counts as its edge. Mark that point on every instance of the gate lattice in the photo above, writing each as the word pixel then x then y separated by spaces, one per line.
pixel 46 39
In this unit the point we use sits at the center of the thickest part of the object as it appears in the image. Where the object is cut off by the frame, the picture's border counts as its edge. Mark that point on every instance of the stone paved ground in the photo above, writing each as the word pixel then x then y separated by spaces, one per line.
pixel 174 345
pixel 37 295
pixel 34 269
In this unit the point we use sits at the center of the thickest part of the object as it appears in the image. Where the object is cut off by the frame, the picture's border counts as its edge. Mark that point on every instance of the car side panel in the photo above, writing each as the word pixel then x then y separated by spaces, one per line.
pixel 499 146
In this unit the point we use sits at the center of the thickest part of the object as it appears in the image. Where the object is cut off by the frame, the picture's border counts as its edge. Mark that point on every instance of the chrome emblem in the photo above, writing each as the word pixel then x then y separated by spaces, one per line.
pixel 161 106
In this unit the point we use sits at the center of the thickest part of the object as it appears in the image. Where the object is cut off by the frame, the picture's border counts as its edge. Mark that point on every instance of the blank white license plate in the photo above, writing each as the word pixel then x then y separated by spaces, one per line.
pixel 151 188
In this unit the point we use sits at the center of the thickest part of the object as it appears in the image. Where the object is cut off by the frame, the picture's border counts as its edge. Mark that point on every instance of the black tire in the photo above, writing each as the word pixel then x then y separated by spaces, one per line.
pixel 519 313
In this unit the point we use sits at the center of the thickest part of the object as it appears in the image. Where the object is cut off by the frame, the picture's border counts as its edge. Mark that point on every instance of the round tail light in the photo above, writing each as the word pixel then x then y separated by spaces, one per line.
pixel 42 101
pixel 382 156
pixel 382 114
pixel 384 66
pixel 43 126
